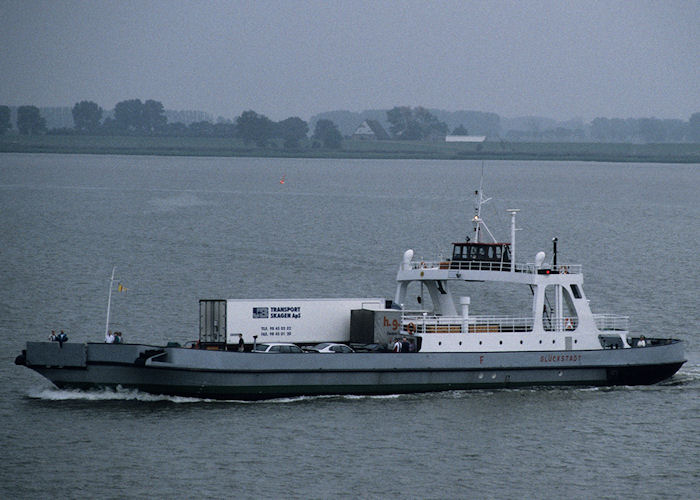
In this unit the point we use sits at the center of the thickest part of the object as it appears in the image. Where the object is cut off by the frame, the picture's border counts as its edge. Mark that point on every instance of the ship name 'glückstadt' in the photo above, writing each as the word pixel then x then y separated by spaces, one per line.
pixel 556 358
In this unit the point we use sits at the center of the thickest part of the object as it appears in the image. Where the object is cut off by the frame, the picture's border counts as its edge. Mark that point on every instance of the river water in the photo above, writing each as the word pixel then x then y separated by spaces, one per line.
pixel 181 229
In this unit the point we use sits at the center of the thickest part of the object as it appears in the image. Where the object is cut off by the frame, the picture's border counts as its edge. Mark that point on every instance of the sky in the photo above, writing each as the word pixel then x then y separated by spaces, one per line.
pixel 560 59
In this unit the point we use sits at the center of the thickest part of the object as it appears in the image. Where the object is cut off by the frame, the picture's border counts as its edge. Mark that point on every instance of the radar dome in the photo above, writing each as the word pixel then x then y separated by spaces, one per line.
pixel 539 259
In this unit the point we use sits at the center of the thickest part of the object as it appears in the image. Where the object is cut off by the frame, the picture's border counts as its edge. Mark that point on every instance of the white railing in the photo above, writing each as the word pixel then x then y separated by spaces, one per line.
pixel 612 322
pixel 478 265
pixel 567 268
pixel 559 324
pixel 425 324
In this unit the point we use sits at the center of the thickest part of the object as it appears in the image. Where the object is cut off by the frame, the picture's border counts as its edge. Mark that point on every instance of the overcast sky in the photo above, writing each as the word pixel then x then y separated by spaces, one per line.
pixel 558 58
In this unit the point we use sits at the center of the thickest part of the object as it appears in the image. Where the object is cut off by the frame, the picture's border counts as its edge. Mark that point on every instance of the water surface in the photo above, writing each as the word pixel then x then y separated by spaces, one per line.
pixel 181 229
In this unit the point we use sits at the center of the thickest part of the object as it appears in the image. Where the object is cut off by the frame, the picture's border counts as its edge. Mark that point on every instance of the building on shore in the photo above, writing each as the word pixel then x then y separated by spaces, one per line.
pixel 474 139
pixel 370 130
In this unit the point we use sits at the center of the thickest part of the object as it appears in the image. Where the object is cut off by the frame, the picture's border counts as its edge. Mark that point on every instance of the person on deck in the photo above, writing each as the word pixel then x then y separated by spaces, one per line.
pixel 109 338
pixel 53 337
pixel 62 337
pixel 118 338
pixel 397 345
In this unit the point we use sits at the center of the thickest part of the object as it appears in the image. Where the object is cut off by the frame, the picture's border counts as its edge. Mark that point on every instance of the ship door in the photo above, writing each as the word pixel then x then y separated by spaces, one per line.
pixel 212 321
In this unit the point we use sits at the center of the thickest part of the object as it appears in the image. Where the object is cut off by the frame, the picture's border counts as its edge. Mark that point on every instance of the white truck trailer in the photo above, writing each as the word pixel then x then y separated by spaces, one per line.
pixel 301 321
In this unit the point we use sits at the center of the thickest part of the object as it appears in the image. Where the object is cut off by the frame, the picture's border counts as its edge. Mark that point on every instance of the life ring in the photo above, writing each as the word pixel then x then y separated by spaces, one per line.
pixel 564 270
pixel 410 328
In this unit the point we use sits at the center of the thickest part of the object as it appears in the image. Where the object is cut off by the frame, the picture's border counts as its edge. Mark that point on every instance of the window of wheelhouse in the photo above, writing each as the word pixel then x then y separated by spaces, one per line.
pixel 576 291
pixel 490 252
pixel 506 253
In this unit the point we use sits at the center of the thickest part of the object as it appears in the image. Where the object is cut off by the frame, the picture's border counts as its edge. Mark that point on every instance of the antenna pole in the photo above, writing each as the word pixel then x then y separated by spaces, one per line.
pixel 513 212
pixel 477 215
pixel 109 301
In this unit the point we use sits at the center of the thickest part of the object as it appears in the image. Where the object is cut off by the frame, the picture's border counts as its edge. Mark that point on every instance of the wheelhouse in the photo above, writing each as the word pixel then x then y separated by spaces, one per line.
pixel 481 252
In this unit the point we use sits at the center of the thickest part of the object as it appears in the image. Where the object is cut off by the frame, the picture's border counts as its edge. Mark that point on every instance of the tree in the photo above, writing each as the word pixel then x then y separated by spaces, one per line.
pixel 329 135
pixel 399 118
pixel 30 121
pixel 476 122
pixel 652 130
pixel 87 116
pixel 694 127
pixel 619 130
pixel 292 130
pixel 201 129
pixel 128 115
pixel 175 129
pixel 428 123
pixel 412 132
pixel 224 129
pixel 153 116
pixel 460 130
pixel 600 129
pixel 252 127
pixel 676 130
pixel 414 124
pixel 5 123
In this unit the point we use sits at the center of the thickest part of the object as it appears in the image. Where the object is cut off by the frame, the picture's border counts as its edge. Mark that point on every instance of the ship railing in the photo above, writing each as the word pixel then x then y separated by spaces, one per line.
pixel 426 324
pixel 612 322
pixel 480 265
pixel 556 269
pixel 559 324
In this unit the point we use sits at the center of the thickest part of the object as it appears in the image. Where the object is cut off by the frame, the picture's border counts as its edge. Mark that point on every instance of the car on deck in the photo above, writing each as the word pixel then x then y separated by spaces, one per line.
pixel 371 348
pixel 278 348
pixel 330 348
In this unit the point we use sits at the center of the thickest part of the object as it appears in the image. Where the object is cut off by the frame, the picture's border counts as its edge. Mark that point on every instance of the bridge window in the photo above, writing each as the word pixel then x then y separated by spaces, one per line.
pixel 482 252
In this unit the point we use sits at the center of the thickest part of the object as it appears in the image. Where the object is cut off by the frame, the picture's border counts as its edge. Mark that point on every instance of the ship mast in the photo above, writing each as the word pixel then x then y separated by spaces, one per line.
pixel 479 201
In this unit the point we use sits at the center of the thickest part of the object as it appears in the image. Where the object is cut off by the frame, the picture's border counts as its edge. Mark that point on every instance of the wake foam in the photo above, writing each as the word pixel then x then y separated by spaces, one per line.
pixel 121 394
pixel 118 394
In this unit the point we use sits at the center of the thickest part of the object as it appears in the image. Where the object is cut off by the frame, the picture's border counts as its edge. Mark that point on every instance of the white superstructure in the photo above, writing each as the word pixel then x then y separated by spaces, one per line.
pixel 559 318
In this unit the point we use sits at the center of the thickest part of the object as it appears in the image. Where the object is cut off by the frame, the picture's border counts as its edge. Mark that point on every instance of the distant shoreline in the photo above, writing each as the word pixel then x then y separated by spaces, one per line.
pixel 355 149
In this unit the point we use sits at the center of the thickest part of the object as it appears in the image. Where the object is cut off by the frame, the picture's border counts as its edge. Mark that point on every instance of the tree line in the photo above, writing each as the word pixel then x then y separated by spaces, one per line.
pixel 649 130
pixel 147 118
pixel 134 117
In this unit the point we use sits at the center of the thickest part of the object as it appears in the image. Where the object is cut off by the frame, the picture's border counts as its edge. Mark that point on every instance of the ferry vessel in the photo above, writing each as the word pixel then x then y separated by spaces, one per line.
pixel 558 341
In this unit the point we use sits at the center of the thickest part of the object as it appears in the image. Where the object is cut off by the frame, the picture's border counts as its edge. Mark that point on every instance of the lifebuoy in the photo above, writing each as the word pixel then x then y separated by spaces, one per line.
pixel 410 328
